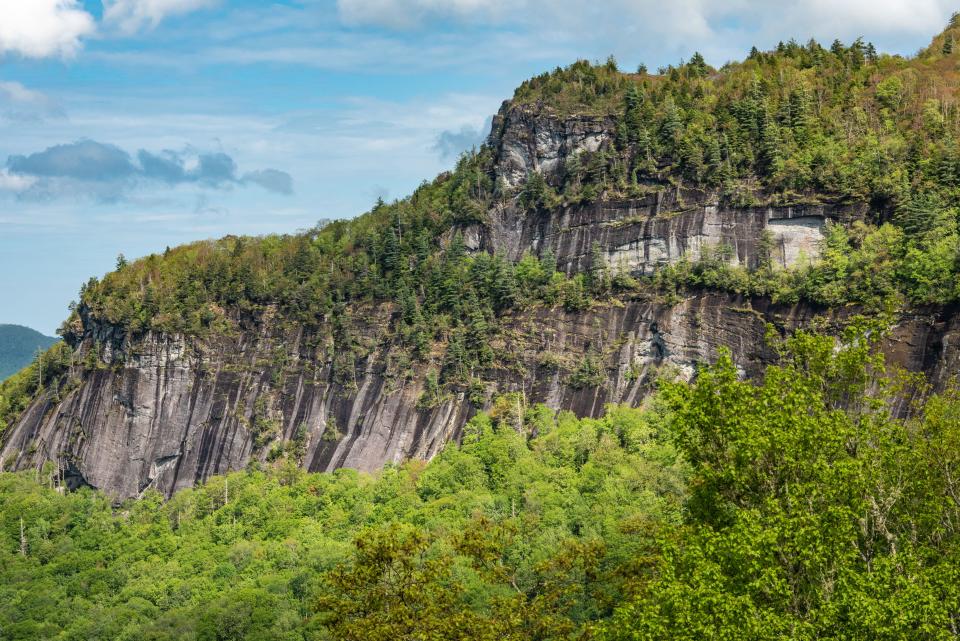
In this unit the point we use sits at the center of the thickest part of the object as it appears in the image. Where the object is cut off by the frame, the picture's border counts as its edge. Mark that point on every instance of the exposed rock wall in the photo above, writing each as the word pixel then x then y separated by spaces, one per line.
pixel 167 412
pixel 642 235
pixel 638 235
pixel 528 139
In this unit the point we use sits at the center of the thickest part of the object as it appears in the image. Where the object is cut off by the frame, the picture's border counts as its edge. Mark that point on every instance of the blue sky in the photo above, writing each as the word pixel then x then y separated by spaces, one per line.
pixel 130 125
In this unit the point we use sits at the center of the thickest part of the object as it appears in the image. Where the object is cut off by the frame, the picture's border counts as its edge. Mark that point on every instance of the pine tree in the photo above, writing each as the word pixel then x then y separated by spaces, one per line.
pixel 919 214
pixel 857 53
pixel 714 158
pixel 633 113
pixel 503 284
pixel 671 124
pixel 534 194
pixel 599 275
pixel 697 65
pixel 409 310
pixel 799 114
pixel 771 152
pixel 549 262
pixel 391 252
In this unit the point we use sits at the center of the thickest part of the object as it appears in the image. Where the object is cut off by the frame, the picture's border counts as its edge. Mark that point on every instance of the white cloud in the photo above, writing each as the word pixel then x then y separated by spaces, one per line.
pixel 15 183
pixel 130 16
pixel 409 13
pixel 43 28
pixel 16 92
pixel 867 16
pixel 626 26
pixel 22 104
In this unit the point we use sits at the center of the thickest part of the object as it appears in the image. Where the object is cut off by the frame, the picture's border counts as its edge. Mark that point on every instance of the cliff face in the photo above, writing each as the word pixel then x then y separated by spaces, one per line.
pixel 166 411
pixel 638 234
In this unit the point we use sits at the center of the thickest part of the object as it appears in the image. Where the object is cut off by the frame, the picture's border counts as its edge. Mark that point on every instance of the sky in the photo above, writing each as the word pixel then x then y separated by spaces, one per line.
pixel 127 126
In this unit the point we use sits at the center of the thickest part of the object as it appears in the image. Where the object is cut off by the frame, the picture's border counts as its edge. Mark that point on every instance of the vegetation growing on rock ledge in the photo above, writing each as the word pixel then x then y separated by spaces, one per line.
pixel 802 122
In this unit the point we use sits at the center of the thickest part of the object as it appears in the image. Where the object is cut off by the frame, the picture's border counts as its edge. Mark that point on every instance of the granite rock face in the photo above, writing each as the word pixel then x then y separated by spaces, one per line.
pixel 637 235
pixel 166 411
pixel 530 139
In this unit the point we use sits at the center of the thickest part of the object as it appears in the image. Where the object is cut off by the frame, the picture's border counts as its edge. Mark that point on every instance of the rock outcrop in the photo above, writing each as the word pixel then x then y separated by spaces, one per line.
pixel 166 411
pixel 639 234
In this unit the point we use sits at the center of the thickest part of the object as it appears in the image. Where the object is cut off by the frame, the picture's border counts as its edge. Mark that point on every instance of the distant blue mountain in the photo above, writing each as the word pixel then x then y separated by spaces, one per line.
pixel 18 346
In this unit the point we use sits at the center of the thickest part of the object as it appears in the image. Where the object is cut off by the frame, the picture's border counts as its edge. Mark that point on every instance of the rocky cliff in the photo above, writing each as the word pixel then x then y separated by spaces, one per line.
pixel 167 411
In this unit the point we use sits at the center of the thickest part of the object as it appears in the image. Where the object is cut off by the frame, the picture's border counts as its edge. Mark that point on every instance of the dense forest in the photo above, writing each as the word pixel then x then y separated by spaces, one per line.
pixel 798 506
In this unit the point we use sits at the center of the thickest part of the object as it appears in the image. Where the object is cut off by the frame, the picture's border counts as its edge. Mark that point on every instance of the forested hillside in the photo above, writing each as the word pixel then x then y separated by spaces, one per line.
pixel 793 507
pixel 799 124
pixel 816 500
pixel 802 123
pixel 18 346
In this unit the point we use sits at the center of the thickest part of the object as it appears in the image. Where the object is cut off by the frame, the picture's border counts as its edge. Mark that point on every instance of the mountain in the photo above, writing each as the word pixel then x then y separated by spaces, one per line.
pixel 18 346
pixel 743 281
pixel 614 226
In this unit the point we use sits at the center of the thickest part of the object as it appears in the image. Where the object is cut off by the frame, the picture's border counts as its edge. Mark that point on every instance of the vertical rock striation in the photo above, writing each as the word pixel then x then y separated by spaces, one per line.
pixel 166 411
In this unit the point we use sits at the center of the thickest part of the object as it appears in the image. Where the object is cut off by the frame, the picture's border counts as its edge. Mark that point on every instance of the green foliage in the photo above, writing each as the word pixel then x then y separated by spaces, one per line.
pixel 589 373
pixel 815 511
pixel 45 374
pixel 812 503
pixel 513 535
pixel 801 121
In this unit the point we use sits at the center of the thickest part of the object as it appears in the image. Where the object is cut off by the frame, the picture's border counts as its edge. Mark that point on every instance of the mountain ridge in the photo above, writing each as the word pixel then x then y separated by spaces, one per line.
pixel 612 226
pixel 18 346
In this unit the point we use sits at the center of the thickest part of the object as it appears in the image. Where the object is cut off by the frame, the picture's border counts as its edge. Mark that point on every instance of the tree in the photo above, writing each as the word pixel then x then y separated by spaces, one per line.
pixel 838 49
pixel 670 125
pixel 536 192
pixel 807 517
pixel 396 590
pixel 600 279
pixel 697 65
pixel 503 284
pixel 920 213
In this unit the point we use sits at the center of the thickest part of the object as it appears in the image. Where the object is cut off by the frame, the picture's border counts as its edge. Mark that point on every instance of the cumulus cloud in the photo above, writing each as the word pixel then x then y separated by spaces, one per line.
pixel 85 160
pixel 15 183
pixel 107 171
pixel 271 180
pixel 409 13
pixel 623 26
pixel 450 143
pixel 130 16
pixel 43 28
pixel 22 104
